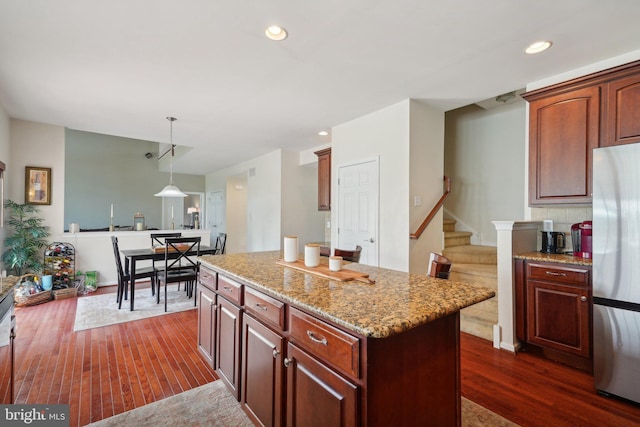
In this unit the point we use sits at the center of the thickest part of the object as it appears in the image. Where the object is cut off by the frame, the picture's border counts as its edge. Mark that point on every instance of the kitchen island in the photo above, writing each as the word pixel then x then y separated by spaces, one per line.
pixel 349 352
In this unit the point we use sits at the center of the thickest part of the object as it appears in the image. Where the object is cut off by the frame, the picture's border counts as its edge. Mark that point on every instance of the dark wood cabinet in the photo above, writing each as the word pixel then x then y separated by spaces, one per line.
pixel 623 111
pixel 228 336
pixel 568 120
pixel 206 323
pixel 324 179
pixel 563 131
pixel 554 310
pixel 262 373
pixel 316 395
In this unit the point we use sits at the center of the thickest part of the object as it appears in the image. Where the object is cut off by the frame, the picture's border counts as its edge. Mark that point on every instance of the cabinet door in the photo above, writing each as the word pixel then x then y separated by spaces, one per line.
pixel 563 131
pixel 228 330
pixel 324 179
pixel 316 395
pixel 558 317
pixel 262 373
pixel 623 111
pixel 206 323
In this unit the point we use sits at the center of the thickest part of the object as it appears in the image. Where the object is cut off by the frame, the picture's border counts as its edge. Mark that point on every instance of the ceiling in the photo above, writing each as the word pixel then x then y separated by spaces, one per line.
pixel 121 67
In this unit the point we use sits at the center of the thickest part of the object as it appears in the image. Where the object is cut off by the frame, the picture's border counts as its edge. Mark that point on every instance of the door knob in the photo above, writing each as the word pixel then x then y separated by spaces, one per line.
pixel 371 240
pixel 583 298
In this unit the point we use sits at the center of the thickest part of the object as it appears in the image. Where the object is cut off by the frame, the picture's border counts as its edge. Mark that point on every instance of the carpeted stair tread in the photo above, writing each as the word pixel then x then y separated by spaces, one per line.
pixel 478 322
pixel 471 254
pixel 449 225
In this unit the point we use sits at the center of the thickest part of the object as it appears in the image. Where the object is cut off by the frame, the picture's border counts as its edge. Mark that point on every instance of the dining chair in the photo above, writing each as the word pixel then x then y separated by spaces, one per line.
pixel 439 266
pixel 124 277
pixel 179 266
pixel 157 239
pixel 352 255
pixel 221 242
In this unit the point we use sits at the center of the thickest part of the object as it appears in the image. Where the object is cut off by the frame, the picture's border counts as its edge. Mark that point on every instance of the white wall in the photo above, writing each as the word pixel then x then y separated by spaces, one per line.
pixel 300 215
pixel 386 134
pixel 236 209
pixel 263 200
pixel 484 155
pixel 5 153
pixel 38 144
pixel 426 171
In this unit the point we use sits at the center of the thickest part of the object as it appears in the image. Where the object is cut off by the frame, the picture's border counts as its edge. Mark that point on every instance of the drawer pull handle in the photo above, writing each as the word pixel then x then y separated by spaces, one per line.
pixel 228 289
pixel 261 307
pixel 287 362
pixel 276 353
pixel 553 273
pixel 312 336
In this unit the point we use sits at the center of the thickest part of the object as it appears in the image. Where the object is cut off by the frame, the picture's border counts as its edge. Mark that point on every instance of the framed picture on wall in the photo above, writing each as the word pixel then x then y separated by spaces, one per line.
pixel 37 186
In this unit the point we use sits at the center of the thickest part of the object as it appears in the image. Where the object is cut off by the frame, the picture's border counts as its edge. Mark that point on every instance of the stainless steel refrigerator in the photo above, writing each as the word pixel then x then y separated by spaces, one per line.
pixel 616 270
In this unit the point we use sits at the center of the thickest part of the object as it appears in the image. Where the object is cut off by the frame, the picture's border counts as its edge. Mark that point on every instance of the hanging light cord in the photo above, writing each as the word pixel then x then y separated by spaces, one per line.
pixel 171 120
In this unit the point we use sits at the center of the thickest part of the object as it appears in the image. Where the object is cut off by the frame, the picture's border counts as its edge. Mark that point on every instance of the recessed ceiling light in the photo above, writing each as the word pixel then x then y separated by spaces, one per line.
pixel 276 33
pixel 323 133
pixel 538 47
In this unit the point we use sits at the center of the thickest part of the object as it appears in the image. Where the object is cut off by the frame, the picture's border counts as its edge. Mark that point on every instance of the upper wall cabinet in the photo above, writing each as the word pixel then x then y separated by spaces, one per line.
pixel 568 120
pixel 623 111
pixel 324 179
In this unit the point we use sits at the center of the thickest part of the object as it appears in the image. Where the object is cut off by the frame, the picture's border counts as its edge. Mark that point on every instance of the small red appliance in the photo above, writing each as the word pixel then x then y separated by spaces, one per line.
pixel 581 237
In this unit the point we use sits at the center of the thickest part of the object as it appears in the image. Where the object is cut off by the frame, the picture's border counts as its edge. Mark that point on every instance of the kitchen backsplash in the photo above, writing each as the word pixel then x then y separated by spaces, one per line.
pixel 563 219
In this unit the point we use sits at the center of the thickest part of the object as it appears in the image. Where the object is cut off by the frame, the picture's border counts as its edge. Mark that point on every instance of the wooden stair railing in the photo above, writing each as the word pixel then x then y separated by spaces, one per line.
pixel 435 209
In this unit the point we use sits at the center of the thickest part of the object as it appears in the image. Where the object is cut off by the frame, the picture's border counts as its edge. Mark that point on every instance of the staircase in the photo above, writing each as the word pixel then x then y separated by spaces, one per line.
pixel 476 265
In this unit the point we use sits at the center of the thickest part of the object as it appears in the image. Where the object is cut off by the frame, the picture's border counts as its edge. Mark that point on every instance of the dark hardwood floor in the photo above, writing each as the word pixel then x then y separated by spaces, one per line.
pixel 105 371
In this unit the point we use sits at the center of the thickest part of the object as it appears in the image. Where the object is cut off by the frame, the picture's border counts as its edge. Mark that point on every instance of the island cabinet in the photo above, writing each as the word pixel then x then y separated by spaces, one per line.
pixel 301 369
pixel 554 310
pixel 228 330
pixel 568 120
pixel 207 316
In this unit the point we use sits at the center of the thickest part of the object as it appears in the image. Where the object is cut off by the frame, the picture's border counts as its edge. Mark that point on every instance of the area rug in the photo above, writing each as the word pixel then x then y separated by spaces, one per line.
pixel 102 310
pixel 213 405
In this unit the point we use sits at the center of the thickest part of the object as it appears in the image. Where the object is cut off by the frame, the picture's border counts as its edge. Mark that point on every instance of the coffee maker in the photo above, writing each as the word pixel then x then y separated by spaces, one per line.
pixel 581 235
pixel 552 242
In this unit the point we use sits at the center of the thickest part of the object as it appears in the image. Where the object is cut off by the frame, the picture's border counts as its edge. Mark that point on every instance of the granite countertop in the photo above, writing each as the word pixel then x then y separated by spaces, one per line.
pixel 397 301
pixel 6 294
pixel 558 258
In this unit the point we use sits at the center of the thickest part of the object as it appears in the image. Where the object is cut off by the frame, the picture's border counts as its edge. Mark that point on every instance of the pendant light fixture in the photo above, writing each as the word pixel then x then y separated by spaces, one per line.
pixel 171 190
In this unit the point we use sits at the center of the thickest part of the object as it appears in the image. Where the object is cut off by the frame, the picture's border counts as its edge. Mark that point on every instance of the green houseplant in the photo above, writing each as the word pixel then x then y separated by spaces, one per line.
pixel 26 239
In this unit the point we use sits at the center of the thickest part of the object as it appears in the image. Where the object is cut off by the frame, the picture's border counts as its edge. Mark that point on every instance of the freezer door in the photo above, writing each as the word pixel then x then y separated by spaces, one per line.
pixel 616 351
pixel 616 223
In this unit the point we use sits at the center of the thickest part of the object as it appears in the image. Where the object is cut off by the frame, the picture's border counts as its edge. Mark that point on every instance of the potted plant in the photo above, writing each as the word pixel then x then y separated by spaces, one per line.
pixel 27 238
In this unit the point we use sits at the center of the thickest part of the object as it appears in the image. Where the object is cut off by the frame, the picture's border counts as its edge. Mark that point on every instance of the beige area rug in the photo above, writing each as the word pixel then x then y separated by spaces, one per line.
pixel 102 310
pixel 213 405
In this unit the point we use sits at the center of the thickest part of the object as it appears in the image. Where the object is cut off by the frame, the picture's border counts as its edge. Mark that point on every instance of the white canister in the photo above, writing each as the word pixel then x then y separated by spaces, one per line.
pixel 290 248
pixel 335 263
pixel 74 227
pixel 311 255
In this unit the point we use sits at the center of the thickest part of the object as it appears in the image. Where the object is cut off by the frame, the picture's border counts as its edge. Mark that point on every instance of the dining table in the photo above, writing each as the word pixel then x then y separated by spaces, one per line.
pixel 132 256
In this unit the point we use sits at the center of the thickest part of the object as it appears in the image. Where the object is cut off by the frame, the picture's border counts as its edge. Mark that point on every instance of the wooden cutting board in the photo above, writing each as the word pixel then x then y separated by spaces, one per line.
pixel 182 247
pixel 323 271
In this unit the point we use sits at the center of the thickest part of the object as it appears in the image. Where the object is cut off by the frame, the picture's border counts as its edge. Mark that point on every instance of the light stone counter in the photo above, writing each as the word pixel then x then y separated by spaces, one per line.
pixel 558 258
pixel 397 301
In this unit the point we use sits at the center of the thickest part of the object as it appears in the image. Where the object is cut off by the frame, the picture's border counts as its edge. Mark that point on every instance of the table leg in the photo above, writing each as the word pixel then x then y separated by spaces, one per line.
pixel 132 277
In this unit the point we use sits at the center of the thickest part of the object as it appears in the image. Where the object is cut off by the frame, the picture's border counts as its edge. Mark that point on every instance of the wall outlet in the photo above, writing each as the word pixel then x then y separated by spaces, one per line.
pixel 547 225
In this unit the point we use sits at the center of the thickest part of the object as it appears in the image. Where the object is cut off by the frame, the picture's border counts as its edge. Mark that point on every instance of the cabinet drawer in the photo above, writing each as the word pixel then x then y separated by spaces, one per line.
pixel 230 289
pixel 571 275
pixel 264 307
pixel 208 278
pixel 326 342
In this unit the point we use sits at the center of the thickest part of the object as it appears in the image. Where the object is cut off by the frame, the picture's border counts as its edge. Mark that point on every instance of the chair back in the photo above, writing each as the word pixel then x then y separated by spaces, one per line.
pixel 221 242
pixel 180 252
pixel 116 253
pixel 349 255
pixel 157 239
pixel 439 266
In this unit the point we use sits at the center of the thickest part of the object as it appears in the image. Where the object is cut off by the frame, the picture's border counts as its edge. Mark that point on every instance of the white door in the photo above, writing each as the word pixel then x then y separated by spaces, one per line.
pixel 214 211
pixel 358 209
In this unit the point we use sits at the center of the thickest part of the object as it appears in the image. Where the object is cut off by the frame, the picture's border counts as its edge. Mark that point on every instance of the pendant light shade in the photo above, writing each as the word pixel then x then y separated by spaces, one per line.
pixel 171 190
